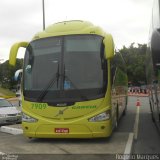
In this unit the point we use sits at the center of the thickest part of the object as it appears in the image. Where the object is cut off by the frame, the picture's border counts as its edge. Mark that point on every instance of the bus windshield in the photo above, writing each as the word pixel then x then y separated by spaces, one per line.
pixel 65 69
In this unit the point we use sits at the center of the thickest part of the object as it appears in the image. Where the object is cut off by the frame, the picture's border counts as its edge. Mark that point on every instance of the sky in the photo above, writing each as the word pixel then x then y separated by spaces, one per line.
pixel 127 20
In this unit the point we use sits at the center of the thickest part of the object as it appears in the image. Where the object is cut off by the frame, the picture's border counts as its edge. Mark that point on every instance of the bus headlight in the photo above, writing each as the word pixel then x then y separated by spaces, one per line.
pixel 101 117
pixel 27 118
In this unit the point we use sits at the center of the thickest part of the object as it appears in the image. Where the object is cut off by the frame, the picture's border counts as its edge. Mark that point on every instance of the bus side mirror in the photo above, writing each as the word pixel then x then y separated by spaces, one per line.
pixel 14 51
pixel 109 46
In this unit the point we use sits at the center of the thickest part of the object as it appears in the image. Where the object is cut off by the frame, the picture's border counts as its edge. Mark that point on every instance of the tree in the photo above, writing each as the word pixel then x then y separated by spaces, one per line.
pixel 7 73
pixel 135 61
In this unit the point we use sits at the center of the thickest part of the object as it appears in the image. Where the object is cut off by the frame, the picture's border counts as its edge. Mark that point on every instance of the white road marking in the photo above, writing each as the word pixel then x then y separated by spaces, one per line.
pixel 136 124
pixel 128 148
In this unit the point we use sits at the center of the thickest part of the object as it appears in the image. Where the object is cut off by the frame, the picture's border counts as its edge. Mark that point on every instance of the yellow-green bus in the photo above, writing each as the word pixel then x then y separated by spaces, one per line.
pixel 73 86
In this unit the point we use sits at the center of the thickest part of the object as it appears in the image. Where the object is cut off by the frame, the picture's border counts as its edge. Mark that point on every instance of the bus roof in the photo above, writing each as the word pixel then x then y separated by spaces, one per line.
pixel 70 27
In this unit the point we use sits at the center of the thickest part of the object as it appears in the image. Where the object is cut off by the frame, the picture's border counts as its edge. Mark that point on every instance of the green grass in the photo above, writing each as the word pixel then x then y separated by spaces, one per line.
pixel 6 93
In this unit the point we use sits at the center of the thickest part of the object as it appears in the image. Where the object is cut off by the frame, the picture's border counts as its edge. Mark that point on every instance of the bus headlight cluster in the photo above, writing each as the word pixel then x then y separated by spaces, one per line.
pixel 101 117
pixel 27 118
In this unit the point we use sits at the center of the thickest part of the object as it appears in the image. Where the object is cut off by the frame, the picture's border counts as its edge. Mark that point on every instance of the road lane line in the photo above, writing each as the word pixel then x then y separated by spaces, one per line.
pixel 136 124
pixel 128 148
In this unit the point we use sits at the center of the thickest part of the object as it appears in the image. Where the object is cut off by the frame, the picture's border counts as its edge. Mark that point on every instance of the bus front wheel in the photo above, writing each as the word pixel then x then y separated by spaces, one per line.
pixel 116 121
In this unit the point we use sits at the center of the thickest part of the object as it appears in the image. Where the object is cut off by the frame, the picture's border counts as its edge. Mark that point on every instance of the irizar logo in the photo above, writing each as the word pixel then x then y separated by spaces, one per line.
pixel 60 112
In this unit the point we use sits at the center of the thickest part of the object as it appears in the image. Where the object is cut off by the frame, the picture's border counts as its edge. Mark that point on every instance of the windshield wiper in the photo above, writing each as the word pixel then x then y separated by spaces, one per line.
pixel 50 84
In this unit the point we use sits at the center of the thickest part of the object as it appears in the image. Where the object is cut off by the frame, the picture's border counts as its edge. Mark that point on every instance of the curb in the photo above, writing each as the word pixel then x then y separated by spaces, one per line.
pixel 14 131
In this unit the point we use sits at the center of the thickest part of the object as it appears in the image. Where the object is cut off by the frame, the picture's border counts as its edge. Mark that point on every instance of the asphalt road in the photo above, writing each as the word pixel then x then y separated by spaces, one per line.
pixel 147 142
pixel 126 123
pixel 148 138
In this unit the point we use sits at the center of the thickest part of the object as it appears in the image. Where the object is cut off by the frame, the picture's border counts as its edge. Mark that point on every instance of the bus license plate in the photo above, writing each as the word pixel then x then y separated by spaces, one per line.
pixel 61 130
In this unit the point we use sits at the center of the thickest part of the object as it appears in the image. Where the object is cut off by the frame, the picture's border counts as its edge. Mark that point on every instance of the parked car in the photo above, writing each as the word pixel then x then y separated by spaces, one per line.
pixel 9 114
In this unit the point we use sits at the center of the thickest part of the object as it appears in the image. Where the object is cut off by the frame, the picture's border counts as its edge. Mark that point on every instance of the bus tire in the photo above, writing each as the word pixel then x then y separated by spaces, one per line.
pixel 153 119
pixel 124 112
pixel 125 109
pixel 116 121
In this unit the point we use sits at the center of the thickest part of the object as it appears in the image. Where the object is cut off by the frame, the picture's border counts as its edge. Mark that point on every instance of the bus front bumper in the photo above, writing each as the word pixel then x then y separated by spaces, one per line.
pixel 92 130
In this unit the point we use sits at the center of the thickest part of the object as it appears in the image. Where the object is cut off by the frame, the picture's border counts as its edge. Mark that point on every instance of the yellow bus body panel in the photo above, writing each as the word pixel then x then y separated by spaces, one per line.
pixel 74 119
pixel 80 129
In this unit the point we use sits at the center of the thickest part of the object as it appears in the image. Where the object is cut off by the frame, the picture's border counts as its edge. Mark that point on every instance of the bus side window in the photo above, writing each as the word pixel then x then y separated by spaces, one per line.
pixel 118 70
pixel 113 71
